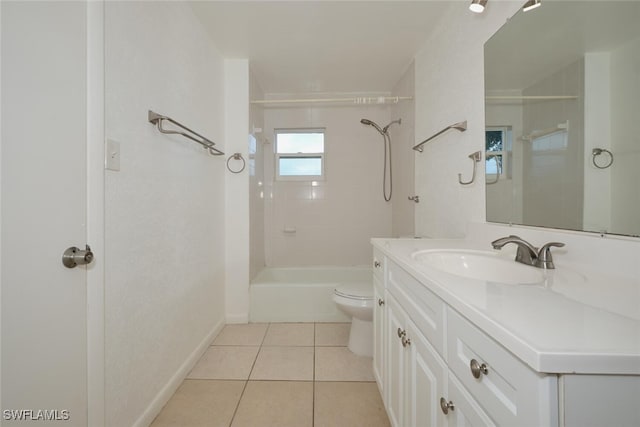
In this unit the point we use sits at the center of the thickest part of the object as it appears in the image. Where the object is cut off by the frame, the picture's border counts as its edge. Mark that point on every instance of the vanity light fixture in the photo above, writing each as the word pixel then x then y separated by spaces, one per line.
pixel 477 6
pixel 530 5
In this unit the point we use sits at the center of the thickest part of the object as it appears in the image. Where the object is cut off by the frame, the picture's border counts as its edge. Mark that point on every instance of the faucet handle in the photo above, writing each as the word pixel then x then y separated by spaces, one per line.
pixel 545 260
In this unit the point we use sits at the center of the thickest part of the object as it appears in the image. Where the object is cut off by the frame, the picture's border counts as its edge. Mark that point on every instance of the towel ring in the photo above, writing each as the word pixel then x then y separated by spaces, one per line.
pixel 236 156
pixel 596 152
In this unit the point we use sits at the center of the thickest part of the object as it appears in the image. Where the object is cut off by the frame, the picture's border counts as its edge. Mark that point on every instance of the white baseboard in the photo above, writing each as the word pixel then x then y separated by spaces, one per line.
pixel 174 382
pixel 238 318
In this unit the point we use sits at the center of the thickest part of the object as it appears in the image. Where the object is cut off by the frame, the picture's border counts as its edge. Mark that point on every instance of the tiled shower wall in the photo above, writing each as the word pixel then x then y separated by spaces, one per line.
pixel 334 218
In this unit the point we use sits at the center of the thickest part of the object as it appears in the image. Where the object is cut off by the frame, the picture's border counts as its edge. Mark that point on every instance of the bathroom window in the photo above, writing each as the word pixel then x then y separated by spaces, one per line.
pixel 299 154
pixel 498 150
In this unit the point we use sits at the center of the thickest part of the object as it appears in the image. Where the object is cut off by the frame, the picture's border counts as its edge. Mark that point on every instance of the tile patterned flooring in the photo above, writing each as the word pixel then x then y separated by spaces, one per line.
pixel 280 375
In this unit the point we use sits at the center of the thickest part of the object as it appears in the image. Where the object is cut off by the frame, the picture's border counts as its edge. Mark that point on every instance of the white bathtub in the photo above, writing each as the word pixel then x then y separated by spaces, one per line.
pixel 301 294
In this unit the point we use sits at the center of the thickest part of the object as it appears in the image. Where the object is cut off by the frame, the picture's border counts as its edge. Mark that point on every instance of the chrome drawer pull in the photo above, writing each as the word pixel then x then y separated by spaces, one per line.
pixel 477 369
pixel 446 406
pixel 376 264
pixel 380 302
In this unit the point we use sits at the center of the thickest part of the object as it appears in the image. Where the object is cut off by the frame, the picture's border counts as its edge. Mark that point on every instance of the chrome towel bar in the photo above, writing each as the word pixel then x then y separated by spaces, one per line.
pixel 461 126
pixel 157 119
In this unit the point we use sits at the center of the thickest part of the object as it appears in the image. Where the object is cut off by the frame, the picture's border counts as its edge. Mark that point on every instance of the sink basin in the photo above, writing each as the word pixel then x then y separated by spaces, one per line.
pixel 480 265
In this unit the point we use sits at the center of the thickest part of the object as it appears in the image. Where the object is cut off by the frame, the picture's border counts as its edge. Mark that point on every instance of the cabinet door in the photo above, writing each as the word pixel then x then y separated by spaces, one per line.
pixel 395 358
pixel 466 411
pixel 378 334
pixel 425 381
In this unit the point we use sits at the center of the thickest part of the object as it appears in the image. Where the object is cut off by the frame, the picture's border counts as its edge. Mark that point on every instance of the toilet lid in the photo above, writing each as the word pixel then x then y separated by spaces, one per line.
pixel 363 290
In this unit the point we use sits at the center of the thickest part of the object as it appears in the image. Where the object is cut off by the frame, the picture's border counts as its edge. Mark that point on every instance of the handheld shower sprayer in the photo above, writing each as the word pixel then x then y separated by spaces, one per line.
pixel 370 123
pixel 387 148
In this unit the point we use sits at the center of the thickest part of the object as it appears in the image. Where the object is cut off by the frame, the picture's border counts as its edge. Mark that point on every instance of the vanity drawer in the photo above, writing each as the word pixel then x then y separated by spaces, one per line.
pixel 423 307
pixel 378 264
pixel 509 391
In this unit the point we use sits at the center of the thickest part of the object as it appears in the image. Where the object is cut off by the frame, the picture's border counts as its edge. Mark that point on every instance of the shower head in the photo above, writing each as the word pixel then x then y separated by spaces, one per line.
pixel 370 123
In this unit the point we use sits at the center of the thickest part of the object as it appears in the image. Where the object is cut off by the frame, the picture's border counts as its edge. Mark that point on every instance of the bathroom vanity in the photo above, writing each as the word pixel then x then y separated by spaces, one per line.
pixel 521 347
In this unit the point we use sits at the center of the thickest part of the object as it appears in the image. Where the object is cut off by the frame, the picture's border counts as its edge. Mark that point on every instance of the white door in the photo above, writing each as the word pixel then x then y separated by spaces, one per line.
pixel 396 355
pixel 426 380
pixel 44 211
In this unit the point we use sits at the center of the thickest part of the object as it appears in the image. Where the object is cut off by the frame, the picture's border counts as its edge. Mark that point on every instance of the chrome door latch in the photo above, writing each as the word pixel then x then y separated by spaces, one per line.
pixel 74 257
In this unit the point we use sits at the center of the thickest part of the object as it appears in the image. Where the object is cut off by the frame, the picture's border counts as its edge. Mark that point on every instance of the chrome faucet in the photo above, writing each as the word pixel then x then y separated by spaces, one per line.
pixel 529 254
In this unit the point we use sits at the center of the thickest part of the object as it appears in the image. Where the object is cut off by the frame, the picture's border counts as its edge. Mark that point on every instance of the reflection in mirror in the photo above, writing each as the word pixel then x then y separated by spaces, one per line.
pixel 562 102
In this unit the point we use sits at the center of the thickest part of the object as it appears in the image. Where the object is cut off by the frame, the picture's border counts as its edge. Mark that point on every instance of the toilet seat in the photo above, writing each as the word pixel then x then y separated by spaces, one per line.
pixel 357 291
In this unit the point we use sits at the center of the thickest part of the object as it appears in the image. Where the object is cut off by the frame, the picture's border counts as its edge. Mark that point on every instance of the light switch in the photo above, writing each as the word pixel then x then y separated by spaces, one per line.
pixel 112 155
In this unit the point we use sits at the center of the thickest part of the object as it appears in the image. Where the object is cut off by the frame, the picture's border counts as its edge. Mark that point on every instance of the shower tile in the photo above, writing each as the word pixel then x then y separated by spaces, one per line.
pixel 250 334
pixel 284 363
pixel 346 404
pixel 225 363
pixel 340 364
pixel 275 404
pixel 200 403
pixel 289 334
pixel 332 334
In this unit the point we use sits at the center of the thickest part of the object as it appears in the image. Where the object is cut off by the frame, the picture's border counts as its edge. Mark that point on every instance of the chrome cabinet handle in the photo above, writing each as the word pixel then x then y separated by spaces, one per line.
pixel 401 333
pixel 446 406
pixel 406 341
pixel 380 302
pixel 376 264
pixel 477 369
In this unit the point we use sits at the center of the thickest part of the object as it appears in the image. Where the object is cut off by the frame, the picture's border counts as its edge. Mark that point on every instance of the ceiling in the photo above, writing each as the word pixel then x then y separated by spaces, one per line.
pixel 323 46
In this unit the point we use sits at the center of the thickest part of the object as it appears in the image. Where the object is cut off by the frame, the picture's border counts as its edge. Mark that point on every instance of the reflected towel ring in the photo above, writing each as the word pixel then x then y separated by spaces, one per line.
pixel 596 152
pixel 236 156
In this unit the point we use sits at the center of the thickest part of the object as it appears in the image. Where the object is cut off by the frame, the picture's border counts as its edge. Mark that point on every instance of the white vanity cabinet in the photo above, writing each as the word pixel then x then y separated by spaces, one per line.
pixel 428 380
pixel 416 373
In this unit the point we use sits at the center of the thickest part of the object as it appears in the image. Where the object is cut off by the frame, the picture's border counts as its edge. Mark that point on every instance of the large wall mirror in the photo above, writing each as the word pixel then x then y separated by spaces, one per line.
pixel 563 117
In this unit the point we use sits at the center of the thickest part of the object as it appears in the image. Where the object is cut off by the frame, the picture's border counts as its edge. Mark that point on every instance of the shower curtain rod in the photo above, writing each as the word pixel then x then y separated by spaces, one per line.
pixel 375 100
pixel 539 97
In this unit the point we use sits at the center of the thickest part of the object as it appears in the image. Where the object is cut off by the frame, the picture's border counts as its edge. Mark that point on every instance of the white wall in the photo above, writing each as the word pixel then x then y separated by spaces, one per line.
pixel 449 89
pixel 256 180
pixel 597 134
pixel 334 218
pixel 402 139
pixel 236 95
pixel 553 190
pixel 165 217
pixel 625 142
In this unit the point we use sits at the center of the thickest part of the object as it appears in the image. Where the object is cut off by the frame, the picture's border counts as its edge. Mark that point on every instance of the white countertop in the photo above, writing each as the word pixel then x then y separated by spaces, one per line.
pixel 580 320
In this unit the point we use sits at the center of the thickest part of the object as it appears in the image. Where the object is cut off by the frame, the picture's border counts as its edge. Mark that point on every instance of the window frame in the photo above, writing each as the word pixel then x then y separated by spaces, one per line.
pixel 503 154
pixel 320 155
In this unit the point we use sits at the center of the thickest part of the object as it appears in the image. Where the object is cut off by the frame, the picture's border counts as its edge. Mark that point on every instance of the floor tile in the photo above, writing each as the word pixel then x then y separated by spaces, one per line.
pixel 225 363
pixel 332 334
pixel 249 334
pixel 339 364
pixel 284 363
pixel 275 404
pixel 348 404
pixel 200 403
pixel 289 334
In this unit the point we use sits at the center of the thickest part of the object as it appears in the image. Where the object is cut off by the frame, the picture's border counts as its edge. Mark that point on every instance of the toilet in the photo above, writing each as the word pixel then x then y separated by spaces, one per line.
pixel 356 300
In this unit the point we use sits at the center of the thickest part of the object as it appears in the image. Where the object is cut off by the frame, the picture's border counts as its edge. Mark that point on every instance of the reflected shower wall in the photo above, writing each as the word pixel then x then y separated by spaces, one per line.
pixel 553 166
